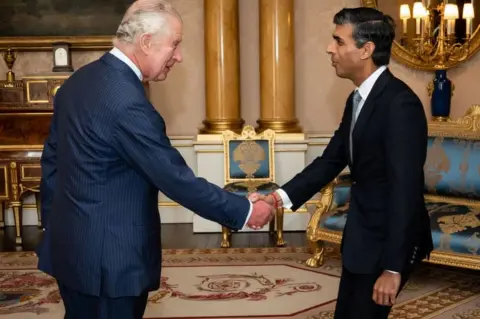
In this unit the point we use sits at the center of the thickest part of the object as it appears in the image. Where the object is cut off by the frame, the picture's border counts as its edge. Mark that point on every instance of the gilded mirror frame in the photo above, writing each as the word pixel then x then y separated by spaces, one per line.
pixel 404 57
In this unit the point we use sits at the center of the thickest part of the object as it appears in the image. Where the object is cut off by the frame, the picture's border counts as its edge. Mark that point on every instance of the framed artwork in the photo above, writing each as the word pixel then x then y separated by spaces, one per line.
pixel 37 24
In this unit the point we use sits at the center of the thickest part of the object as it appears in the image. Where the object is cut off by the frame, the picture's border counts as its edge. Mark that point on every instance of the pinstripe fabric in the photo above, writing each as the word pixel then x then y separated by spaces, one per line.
pixel 104 161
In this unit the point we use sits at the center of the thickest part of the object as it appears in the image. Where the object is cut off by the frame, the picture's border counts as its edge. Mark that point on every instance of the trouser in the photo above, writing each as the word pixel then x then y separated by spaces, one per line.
pixel 81 306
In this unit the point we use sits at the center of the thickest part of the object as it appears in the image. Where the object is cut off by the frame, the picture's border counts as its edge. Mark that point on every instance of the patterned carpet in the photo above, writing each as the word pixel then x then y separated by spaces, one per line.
pixel 245 283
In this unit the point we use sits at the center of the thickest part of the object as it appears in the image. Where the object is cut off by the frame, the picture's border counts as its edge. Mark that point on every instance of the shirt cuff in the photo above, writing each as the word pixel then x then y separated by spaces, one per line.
pixel 287 203
pixel 249 214
pixel 393 272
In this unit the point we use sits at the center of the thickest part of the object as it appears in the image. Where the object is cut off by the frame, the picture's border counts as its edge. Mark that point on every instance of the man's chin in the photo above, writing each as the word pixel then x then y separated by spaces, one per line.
pixel 160 78
pixel 340 74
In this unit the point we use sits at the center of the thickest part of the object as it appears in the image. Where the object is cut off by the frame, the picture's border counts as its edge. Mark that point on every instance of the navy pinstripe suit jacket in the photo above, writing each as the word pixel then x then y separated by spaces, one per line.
pixel 106 157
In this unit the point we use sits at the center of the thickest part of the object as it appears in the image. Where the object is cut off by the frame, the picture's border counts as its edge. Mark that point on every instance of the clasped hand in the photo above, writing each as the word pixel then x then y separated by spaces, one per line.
pixel 263 210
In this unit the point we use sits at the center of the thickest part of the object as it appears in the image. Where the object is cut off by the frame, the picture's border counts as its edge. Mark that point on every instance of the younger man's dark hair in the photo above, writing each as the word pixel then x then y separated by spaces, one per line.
pixel 370 25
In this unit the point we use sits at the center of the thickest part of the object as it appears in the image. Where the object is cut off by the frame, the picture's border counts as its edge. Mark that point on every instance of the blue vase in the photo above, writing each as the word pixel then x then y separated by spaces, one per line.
pixel 441 95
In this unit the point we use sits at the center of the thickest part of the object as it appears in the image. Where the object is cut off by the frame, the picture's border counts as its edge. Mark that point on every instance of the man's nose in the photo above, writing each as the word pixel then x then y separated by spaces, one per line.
pixel 178 56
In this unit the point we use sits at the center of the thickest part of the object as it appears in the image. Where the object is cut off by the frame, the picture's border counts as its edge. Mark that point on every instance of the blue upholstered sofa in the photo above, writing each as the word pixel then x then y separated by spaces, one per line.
pixel 452 196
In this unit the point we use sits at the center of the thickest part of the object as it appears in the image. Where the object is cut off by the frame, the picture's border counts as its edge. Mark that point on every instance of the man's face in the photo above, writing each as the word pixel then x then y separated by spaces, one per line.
pixel 346 58
pixel 162 52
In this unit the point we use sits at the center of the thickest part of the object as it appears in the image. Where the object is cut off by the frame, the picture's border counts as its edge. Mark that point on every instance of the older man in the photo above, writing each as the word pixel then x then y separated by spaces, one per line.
pixel 106 158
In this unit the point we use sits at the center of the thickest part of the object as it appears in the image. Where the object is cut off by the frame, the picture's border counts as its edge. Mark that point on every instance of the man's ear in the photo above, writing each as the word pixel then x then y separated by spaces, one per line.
pixel 368 49
pixel 145 42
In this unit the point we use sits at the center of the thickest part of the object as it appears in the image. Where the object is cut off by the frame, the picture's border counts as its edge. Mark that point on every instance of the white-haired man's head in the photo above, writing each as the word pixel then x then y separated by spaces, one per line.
pixel 150 34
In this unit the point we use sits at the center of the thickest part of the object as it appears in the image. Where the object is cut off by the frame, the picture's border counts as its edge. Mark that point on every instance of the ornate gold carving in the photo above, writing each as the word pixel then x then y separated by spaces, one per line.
pixel 314 232
pixel 414 62
pixel 248 134
pixel 9 57
pixel 467 126
pixel 250 155
pixel 14 181
pixel 15 203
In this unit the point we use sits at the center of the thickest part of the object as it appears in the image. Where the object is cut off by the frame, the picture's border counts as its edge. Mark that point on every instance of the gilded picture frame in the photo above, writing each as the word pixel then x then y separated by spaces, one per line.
pixel 403 56
pixel 37 24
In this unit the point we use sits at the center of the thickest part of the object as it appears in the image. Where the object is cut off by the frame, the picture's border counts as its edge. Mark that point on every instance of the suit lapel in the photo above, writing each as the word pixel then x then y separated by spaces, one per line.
pixel 368 108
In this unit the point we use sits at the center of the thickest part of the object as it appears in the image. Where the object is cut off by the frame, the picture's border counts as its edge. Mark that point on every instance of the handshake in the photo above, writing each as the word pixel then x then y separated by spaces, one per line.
pixel 264 208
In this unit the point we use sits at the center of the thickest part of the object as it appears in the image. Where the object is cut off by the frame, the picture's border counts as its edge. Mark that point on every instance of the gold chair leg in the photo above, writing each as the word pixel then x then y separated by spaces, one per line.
pixel 17 213
pixel 318 254
pixel 279 219
pixel 38 204
pixel 2 215
pixel 225 237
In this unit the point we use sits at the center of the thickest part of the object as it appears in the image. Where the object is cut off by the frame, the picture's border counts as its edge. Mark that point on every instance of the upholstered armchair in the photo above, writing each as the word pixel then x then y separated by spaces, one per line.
pixel 451 192
pixel 250 168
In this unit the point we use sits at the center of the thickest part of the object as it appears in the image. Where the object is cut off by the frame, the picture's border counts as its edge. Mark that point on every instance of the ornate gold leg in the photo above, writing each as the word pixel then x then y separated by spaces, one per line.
pixel 318 251
pixel 38 204
pixel 17 213
pixel 16 204
pixel 279 218
pixel 2 213
pixel 225 237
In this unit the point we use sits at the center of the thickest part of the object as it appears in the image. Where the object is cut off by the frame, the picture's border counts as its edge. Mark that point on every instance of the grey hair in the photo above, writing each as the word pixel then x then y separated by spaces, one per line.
pixel 145 16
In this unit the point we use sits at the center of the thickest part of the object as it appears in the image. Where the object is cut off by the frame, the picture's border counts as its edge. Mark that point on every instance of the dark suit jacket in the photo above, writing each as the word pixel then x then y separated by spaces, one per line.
pixel 105 160
pixel 387 225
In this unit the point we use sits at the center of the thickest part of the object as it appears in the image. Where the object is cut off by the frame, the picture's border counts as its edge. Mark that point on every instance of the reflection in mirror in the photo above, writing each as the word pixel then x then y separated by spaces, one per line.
pixel 435 31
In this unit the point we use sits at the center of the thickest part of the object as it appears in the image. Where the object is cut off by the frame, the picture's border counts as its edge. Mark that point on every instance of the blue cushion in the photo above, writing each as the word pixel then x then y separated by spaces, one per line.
pixel 249 159
pixel 455 228
pixel 245 188
pixel 452 167
pixel 341 195
pixel 336 220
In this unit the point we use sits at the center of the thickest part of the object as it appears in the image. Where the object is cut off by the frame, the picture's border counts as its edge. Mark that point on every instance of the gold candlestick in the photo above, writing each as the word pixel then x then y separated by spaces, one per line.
pixel 9 57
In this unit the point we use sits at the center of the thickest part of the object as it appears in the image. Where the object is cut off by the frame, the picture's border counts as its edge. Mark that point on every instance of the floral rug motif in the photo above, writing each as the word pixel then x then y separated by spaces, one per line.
pixel 245 283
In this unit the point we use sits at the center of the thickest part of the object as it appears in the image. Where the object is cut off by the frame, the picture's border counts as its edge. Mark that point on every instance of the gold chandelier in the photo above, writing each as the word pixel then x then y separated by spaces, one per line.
pixel 435 41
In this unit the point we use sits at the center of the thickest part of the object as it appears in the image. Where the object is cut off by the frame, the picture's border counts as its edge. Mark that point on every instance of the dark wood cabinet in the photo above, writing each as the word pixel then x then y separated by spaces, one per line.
pixel 24 126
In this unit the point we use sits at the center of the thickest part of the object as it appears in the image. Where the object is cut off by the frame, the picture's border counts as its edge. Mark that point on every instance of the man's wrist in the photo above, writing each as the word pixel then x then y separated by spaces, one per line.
pixel 277 200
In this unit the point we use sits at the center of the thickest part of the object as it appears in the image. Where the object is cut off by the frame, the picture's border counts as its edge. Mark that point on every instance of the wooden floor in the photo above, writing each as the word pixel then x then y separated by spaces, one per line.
pixel 173 236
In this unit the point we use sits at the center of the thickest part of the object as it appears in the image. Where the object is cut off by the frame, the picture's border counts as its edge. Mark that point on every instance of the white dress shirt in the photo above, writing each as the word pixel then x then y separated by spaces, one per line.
pixel 120 55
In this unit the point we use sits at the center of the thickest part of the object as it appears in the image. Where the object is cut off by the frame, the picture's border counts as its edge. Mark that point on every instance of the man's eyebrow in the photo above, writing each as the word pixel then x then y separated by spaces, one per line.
pixel 336 37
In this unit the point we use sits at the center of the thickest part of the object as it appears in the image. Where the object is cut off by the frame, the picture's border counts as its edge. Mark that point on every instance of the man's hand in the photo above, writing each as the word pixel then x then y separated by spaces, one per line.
pixel 272 198
pixel 262 214
pixel 386 288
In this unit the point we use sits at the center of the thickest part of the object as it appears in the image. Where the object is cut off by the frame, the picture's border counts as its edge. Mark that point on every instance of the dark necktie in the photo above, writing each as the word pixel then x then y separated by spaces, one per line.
pixel 356 102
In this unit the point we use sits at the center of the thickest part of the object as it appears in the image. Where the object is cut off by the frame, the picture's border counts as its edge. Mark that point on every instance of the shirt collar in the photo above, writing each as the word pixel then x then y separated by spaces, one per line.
pixel 120 55
pixel 367 85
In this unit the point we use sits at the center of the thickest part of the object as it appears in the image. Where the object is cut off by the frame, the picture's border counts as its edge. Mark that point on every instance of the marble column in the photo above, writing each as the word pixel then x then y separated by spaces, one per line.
pixel 277 72
pixel 222 67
